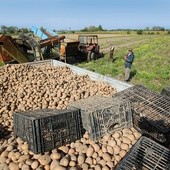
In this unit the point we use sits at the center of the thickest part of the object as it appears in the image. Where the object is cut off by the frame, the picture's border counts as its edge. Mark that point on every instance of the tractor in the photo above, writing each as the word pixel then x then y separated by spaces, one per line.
pixel 88 46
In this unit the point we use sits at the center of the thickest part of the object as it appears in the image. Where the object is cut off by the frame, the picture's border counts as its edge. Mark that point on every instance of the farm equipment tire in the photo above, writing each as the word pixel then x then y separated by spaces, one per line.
pixel 89 56
pixel 93 56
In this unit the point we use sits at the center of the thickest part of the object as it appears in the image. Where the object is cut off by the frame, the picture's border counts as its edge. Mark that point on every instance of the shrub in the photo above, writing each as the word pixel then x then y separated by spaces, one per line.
pixel 139 32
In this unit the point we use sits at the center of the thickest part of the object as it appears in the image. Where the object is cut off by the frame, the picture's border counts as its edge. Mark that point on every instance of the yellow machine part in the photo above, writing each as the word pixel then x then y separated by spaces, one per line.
pixel 9 51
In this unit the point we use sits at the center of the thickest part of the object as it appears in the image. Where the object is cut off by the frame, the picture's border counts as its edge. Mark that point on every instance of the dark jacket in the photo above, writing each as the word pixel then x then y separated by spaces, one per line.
pixel 129 60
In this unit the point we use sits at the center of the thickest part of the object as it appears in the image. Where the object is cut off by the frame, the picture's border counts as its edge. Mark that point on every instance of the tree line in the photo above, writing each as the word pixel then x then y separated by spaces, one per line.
pixel 15 30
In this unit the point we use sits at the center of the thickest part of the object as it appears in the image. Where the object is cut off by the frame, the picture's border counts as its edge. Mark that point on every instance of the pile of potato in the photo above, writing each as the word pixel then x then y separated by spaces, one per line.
pixel 24 87
pixel 83 154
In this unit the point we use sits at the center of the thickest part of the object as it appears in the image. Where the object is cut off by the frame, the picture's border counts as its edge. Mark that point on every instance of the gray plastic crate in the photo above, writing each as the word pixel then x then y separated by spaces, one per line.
pixel 146 154
pixel 45 130
pixel 101 115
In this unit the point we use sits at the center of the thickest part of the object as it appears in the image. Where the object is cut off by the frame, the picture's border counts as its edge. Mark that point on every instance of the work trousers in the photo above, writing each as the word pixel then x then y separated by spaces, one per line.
pixel 127 73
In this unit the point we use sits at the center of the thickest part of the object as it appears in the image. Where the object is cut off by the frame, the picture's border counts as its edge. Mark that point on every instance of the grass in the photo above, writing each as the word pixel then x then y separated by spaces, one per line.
pixel 1 63
pixel 151 66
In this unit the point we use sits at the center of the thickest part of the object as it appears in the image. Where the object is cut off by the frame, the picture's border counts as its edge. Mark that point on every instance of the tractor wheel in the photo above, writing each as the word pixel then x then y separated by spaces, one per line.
pixel 89 56
pixel 93 56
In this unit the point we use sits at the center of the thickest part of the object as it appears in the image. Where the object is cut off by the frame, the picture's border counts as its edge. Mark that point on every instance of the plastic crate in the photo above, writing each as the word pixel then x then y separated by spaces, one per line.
pixel 101 115
pixel 166 91
pixel 146 155
pixel 45 130
pixel 153 119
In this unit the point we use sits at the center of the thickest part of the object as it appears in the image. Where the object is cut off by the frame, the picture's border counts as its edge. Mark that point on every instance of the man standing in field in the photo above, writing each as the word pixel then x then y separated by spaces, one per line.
pixel 128 63
pixel 112 47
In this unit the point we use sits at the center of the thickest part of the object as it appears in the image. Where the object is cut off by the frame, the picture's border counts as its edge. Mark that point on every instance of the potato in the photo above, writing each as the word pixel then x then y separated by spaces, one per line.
pixel 35 164
pixel 102 162
pixel 96 147
pixel 110 164
pixel 116 150
pixel 117 158
pixel 110 150
pixel 25 167
pixel 85 166
pixel 97 167
pixel 89 160
pixel 122 153
pixel 64 162
pixel 106 157
pixel 44 160
pixel 105 168
pixel 126 140
pixel 124 146
pixel 59 168
pixel 72 163
pixel 116 135
pixel 104 148
pixel 131 137
pixel 90 152
pixel 13 166
pixel 81 159
pixel 55 156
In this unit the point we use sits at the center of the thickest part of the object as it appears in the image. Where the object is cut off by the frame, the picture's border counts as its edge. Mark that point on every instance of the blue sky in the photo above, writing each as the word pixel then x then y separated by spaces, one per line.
pixel 77 14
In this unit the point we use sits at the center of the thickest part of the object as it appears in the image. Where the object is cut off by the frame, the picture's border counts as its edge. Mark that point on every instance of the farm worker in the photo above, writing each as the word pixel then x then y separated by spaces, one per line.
pixel 128 63
pixel 112 47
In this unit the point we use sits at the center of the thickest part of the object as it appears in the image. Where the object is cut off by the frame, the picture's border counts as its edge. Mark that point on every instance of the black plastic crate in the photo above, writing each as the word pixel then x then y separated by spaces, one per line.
pixel 143 92
pixel 136 95
pixel 146 154
pixel 162 102
pixel 129 95
pixel 147 127
pixel 45 130
pixel 153 119
pixel 166 91
pixel 101 115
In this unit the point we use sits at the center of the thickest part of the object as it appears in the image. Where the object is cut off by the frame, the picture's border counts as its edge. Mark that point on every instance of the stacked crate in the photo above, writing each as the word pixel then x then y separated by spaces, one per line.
pixel 101 115
pixel 151 112
pixel 166 91
pixel 45 130
pixel 146 154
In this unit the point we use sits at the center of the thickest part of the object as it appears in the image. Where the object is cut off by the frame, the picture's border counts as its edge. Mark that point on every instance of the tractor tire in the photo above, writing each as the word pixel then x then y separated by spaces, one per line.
pixel 93 56
pixel 89 56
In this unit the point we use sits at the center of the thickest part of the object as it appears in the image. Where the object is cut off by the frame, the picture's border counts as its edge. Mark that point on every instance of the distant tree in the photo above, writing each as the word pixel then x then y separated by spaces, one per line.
pixel 147 29
pixel 168 32
pixel 158 28
pixel 42 29
pixel 92 29
pixel 24 30
pixel 100 28
pixel 84 29
pixel 139 32
pixel 3 29
pixel 12 29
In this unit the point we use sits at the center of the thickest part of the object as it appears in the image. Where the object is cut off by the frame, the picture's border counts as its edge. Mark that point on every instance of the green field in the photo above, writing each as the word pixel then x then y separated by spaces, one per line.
pixel 151 66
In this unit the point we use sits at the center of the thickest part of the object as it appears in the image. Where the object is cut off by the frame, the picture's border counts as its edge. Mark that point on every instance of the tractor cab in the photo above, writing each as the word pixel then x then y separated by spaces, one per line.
pixel 88 46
